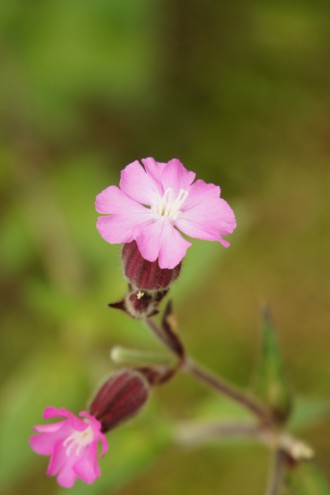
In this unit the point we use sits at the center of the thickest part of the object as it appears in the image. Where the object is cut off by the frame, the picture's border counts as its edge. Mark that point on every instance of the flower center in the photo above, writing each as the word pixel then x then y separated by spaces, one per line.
pixel 78 440
pixel 168 206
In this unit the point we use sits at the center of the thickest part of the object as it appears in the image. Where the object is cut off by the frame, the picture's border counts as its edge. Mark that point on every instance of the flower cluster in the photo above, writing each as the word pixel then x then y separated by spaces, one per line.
pixel 155 204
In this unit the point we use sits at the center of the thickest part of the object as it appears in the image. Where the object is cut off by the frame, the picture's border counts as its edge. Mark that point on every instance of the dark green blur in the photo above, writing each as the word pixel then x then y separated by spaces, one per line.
pixel 239 91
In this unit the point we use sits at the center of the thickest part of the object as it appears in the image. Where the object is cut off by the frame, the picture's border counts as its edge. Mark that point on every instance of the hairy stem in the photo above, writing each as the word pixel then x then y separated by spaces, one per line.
pixel 191 434
pixel 276 474
pixel 225 388
pixel 218 384
pixel 156 330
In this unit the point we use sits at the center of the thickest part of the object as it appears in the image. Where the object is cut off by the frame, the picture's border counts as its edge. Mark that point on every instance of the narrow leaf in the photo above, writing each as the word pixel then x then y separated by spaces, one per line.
pixel 309 412
pixel 308 479
pixel 271 381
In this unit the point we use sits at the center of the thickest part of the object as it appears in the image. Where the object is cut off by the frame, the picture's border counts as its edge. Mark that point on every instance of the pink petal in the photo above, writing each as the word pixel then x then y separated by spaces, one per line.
pixel 113 200
pixel 149 240
pixel 171 175
pixel 58 459
pixel 86 414
pixel 117 229
pixel 224 242
pixel 54 412
pixel 67 477
pixel 173 249
pixel 199 191
pixel 138 185
pixel 161 240
pixel 208 220
pixel 44 443
pixel 92 421
pixel 104 444
pixel 176 176
pixel 86 468
pixel 62 465
pixel 50 428
pixel 96 425
pixel 154 169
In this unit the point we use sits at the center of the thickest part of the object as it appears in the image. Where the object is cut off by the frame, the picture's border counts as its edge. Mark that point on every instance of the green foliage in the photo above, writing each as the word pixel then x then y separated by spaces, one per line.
pixel 308 412
pixel 271 381
pixel 239 91
pixel 307 479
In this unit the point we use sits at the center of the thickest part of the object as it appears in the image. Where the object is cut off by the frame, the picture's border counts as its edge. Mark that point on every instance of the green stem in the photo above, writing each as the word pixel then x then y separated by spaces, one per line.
pixel 156 330
pixel 276 474
pixel 218 384
pixel 223 387
pixel 122 355
pixel 196 433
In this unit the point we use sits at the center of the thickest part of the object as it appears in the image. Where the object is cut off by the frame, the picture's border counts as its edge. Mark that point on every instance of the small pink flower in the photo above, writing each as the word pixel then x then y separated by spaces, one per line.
pixel 157 201
pixel 72 445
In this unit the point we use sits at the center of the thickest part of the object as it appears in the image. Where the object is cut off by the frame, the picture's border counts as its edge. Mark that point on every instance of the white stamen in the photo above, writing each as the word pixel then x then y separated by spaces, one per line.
pixel 78 440
pixel 140 294
pixel 167 206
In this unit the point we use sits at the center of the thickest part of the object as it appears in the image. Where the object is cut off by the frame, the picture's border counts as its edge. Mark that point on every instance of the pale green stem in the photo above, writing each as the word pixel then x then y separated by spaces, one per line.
pixel 218 384
pixel 225 388
pixel 275 480
pixel 198 433
pixel 121 355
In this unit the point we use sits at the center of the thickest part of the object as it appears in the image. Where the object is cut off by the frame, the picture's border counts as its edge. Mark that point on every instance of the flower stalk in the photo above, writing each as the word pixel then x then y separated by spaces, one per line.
pixel 225 388
pixel 192 434
pixel 219 385
pixel 275 480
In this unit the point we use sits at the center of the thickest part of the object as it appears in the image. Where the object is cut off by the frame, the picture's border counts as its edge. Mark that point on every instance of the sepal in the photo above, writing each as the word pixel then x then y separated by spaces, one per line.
pixel 119 398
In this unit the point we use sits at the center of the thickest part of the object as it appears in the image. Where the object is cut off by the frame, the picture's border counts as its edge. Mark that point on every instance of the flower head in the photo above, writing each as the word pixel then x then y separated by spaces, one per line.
pixel 72 445
pixel 157 201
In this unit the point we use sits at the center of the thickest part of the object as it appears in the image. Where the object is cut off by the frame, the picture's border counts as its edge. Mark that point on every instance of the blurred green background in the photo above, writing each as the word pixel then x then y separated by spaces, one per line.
pixel 240 93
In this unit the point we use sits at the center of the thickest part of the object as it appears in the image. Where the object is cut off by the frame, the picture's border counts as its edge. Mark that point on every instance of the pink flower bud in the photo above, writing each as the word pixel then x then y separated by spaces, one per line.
pixel 119 398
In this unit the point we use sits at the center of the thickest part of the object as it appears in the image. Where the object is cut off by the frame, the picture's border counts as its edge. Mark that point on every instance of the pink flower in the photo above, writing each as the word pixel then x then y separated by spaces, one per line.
pixel 72 445
pixel 157 201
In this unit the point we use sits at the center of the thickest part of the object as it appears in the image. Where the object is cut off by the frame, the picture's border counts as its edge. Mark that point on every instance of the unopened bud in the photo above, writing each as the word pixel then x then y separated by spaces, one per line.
pixel 146 275
pixel 140 304
pixel 119 398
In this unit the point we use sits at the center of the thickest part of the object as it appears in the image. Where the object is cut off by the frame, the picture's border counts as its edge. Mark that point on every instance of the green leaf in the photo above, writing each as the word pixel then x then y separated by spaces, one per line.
pixel 308 479
pixel 308 412
pixel 271 381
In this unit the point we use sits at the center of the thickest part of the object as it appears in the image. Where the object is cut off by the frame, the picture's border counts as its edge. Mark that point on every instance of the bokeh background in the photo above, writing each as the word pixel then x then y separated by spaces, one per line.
pixel 239 91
